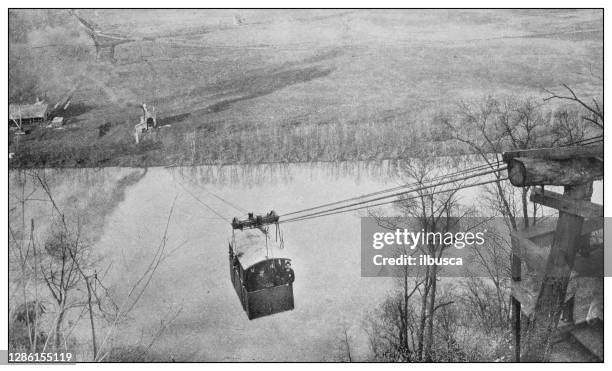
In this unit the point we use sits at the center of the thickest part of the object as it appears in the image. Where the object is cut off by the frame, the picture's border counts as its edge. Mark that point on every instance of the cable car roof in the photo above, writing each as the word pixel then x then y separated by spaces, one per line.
pixel 250 247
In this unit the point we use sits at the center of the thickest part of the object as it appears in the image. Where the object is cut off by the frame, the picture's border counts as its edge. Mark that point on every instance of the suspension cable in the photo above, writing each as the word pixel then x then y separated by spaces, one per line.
pixel 592 141
pixel 297 219
pixel 203 203
pixel 586 141
pixel 237 207
pixel 342 209
pixel 409 191
pixel 443 176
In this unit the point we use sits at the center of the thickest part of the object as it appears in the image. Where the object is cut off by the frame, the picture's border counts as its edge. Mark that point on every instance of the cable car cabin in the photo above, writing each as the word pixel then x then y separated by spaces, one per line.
pixel 262 277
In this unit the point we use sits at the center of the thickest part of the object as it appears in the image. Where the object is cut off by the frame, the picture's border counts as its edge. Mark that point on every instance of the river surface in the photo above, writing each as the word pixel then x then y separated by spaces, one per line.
pixel 126 211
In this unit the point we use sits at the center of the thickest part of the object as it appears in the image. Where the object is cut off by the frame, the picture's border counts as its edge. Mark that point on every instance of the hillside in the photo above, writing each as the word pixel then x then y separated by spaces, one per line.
pixel 247 86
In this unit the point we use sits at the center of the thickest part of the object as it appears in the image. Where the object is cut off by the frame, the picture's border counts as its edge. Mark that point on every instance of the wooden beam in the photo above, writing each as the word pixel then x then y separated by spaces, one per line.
pixel 526 293
pixel 559 266
pixel 591 265
pixel 576 331
pixel 582 208
pixel 526 171
pixel 558 153
pixel 591 337
pixel 17 124
pixel 516 307
pixel 533 255
pixel 542 235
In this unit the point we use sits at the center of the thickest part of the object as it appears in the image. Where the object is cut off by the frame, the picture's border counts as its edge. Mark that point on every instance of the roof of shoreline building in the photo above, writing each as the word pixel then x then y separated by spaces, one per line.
pixel 28 111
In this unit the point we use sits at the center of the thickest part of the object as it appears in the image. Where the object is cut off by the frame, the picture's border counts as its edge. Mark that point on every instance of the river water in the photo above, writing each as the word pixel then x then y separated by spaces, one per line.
pixel 126 210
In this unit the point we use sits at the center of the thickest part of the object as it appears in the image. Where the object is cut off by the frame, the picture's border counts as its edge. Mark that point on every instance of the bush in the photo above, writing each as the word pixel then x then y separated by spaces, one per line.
pixel 104 128
pixel 134 353
pixel 126 354
pixel 19 340
pixel 24 317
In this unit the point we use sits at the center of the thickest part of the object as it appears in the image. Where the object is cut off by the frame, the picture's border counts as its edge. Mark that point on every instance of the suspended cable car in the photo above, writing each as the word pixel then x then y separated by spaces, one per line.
pixel 260 271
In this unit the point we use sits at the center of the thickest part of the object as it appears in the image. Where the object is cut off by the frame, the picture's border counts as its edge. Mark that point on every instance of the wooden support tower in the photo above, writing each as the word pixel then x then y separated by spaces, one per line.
pixel 548 254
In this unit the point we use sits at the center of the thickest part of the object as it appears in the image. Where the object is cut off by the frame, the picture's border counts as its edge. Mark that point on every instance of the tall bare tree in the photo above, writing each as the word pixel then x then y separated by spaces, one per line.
pixel 594 112
pixel 430 210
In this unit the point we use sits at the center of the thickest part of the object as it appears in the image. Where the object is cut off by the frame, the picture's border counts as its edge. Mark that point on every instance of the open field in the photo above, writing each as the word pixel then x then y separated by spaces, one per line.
pixel 282 86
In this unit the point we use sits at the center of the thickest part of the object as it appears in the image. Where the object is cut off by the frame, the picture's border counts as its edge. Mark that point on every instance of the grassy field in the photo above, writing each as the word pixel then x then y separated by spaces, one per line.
pixel 282 86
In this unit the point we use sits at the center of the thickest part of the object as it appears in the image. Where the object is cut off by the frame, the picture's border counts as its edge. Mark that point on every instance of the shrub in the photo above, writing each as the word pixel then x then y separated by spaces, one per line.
pixel 104 128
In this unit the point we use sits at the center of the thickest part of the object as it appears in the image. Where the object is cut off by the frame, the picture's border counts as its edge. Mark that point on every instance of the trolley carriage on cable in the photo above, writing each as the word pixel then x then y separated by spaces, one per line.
pixel 260 272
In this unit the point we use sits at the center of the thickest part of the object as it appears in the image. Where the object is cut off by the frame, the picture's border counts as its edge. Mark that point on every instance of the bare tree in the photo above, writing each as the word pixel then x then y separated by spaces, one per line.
pixel 487 289
pixel 435 212
pixel 23 270
pixel 345 344
pixel 60 274
pixel 594 109
pixel 66 266
pixel 490 127
pixel 433 209
pixel 136 291
pixel 568 126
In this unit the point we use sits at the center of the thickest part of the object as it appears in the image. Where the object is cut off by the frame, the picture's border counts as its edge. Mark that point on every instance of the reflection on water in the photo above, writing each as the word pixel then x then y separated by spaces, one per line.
pixel 285 172
pixel 126 212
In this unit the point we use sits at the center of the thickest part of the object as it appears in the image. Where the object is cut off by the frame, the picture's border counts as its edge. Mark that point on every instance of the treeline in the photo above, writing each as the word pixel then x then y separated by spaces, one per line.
pixel 228 143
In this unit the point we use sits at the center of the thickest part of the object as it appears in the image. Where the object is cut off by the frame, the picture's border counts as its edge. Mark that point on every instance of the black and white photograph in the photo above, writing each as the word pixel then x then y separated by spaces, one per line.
pixel 312 185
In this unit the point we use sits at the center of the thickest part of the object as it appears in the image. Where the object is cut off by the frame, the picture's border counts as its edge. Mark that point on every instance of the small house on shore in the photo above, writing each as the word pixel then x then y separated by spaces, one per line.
pixel 20 114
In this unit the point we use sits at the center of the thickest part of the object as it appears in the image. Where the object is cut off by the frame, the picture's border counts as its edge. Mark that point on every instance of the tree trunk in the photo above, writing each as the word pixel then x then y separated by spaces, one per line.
pixel 91 320
pixel 58 329
pixel 404 335
pixel 430 319
pixel 525 207
pixel 423 316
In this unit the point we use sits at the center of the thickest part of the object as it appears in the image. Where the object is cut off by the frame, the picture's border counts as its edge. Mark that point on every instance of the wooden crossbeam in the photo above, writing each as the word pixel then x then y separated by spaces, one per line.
pixel 591 337
pixel 588 335
pixel 525 292
pixel 591 265
pixel 542 235
pixel 558 153
pixel 533 255
pixel 582 208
